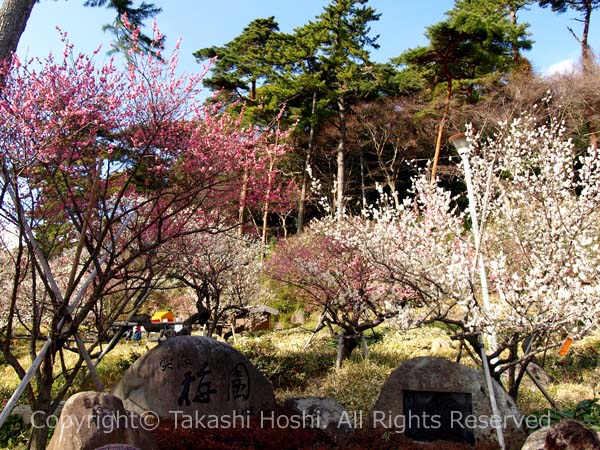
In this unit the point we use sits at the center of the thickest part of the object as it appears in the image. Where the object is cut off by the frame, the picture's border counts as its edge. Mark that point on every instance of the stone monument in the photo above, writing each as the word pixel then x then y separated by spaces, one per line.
pixel 192 376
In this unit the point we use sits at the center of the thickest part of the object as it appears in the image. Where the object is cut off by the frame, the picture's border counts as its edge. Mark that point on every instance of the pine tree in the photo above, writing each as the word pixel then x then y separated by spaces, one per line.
pixel 585 8
pixel 136 18
pixel 476 39
pixel 15 13
pixel 343 35
pixel 243 64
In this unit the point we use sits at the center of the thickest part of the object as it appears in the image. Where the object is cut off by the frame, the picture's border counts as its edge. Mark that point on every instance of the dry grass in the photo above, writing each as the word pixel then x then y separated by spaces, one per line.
pixel 110 369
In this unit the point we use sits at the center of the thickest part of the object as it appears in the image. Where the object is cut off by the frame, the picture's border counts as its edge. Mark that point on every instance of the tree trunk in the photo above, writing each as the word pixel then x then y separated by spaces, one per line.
pixel 311 143
pixel 440 134
pixel 363 190
pixel 265 216
pixel 514 45
pixel 346 345
pixel 341 153
pixel 586 54
pixel 39 434
pixel 265 228
pixel 593 130
pixel 243 196
pixel 303 189
pixel 267 204
pixel 13 18
pixel 587 61
pixel 211 328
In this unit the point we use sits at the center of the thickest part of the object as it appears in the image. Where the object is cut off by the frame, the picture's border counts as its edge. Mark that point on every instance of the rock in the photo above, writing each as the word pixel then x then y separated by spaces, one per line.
pixel 540 374
pixel 567 434
pixel 444 400
pixel 326 414
pixel 297 317
pixel 189 376
pixel 91 419
pixel 24 411
pixel 536 440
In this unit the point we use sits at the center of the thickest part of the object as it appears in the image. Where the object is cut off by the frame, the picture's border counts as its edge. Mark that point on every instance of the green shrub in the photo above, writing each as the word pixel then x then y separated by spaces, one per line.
pixel 14 434
pixel 586 411
pixel 6 391
pixel 294 373
pixel 573 366
pixel 530 399
pixel 110 370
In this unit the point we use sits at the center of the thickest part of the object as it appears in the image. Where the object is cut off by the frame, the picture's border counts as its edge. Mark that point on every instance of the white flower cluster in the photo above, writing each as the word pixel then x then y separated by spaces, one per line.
pixel 539 205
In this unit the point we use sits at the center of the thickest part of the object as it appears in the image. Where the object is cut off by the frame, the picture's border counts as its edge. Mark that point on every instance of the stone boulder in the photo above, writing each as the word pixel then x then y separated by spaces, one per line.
pixel 297 317
pixel 186 377
pixel 90 420
pixel 431 398
pixel 539 373
pixel 564 434
pixel 325 414
pixel 536 440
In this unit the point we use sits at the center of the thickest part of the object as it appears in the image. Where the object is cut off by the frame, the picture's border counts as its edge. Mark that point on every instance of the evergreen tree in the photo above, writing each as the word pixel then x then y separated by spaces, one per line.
pixel 15 13
pixel 136 18
pixel 585 8
pixel 500 17
pixel 243 64
pixel 343 35
pixel 300 84
pixel 477 39
pixel 512 8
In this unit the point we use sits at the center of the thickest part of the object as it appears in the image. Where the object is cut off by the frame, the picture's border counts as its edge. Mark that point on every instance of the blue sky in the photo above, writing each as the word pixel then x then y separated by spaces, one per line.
pixel 203 23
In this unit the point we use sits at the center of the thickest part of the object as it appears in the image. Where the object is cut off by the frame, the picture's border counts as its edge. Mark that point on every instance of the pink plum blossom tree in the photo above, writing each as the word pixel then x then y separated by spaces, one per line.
pixel 326 269
pixel 102 167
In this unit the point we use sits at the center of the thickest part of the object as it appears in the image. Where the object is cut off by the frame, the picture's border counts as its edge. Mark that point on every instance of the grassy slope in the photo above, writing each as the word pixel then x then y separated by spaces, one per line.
pixel 297 373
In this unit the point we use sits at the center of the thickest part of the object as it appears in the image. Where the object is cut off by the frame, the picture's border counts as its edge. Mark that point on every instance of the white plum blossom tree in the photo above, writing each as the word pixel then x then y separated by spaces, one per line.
pixel 220 268
pixel 539 204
